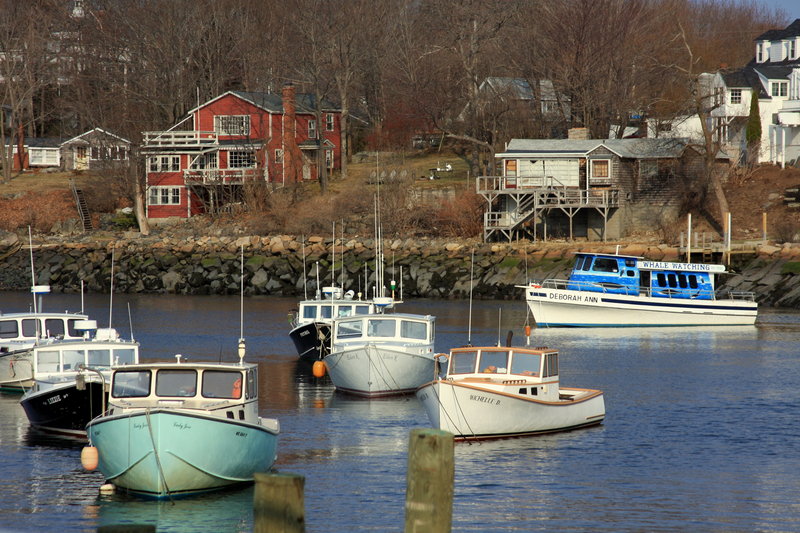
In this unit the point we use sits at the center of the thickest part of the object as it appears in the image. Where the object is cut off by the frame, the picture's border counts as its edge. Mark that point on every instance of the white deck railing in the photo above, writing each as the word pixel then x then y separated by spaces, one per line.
pixel 179 139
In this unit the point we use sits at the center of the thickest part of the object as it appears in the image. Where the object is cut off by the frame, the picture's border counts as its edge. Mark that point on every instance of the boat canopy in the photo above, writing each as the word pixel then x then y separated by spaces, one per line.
pixel 503 360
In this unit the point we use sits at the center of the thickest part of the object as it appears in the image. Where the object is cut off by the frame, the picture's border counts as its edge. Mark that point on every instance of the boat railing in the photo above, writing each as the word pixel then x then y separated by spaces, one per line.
pixel 612 288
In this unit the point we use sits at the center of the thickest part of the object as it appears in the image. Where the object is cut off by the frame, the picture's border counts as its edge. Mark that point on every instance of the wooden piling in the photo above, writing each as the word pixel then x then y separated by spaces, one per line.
pixel 278 503
pixel 429 488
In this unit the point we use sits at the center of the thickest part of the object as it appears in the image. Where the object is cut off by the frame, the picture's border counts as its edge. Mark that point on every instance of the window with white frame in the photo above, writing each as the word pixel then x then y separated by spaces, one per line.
pixel 204 161
pixel 164 196
pixel 279 156
pixel 165 163
pixel 329 122
pixel 736 96
pixel 43 156
pixel 600 170
pixel 791 49
pixel 761 49
pixel 232 124
pixel 329 158
pixel 780 88
pixel 719 96
pixel 241 159
pixel 312 129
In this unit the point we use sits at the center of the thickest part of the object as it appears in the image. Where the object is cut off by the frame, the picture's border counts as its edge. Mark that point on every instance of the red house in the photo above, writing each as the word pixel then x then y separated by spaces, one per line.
pixel 238 138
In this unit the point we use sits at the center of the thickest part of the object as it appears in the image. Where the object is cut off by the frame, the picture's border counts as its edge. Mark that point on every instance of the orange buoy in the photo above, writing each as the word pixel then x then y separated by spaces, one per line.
pixel 89 457
pixel 318 369
pixel 527 331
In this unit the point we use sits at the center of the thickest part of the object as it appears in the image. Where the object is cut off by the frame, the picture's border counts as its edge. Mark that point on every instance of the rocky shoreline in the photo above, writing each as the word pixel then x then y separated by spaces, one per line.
pixel 431 268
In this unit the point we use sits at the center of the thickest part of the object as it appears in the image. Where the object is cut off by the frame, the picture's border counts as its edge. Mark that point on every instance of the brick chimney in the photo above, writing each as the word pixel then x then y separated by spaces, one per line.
pixel 291 159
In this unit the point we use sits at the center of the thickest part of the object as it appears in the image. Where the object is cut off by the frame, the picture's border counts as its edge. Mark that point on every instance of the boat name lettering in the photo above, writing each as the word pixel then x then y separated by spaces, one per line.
pixel 181 425
pixel 574 298
pixel 665 265
pixel 54 399
pixel 304 333
pixel 241 434
pixel 137 425
pixel 484 399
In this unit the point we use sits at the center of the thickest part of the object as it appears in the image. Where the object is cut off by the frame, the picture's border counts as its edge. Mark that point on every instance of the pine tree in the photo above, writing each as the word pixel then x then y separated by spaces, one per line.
pixel 753 131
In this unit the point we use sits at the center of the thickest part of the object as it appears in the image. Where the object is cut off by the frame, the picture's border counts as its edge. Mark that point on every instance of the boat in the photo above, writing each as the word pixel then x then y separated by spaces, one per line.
pixel 381 355
pixel 20 332
pixel 71 379
pixel 610 290
pixel 494 392
pixel 311 324
pixel 174 429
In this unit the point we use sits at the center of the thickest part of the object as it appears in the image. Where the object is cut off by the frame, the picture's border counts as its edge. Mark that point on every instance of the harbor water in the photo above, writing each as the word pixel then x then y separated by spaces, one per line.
pixel 700 434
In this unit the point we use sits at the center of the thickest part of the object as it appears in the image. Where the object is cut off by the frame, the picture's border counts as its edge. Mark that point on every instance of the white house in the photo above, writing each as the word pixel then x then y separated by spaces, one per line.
pixel 774 75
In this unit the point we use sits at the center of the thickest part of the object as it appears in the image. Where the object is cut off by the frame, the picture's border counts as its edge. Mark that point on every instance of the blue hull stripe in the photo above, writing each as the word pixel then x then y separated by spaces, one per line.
pixel 685 305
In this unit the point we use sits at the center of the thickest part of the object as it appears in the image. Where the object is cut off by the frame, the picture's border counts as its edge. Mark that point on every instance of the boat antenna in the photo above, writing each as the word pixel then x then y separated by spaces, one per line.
pixel 499 321
pixel 319 290
pixel 111 295
pixel 342 241
pixel 130 319
pixel 33 272
pixel 333 254
pixel 81 296
pixel 305 285
pixel 241 346
pixel 471 272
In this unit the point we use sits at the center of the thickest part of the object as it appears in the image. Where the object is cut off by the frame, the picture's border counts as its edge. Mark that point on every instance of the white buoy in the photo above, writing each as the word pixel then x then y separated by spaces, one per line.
pixel 107 488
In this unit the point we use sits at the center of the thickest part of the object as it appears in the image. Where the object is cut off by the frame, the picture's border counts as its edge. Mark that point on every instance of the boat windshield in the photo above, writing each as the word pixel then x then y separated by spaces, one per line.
pixel 344 311
pixel 381 327
pixel 362 309
pixel 131 384
pixel 494 362
pixel 526 364
pixel 176 383
pixel 309 311
pixel 222 384
pixel 125 356
pixel 413 330
pixel 463 362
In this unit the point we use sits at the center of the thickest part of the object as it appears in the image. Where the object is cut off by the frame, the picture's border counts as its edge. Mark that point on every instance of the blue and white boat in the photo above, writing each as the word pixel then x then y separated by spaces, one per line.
pixel 608 290
pixel 174 429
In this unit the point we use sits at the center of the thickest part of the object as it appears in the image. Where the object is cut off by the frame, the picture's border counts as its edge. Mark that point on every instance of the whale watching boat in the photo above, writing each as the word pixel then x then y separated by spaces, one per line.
pixel 607 290
pixel 183 428
pixel 494 391
pixel 19 332
pixel 381 355
pixel 71 379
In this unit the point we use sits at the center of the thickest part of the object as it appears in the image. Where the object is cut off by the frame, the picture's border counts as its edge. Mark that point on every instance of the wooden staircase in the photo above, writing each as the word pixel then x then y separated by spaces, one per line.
pixel 80 203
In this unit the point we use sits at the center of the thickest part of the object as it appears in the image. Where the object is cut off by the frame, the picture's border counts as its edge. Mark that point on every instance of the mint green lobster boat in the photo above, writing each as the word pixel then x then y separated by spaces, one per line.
pixel 174 429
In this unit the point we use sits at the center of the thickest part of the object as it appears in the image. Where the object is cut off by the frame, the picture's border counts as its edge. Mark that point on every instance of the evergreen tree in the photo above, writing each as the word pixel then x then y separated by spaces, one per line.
pixel 753 131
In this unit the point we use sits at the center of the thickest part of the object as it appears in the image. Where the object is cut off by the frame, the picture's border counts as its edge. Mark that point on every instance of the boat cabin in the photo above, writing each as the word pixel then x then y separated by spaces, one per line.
pixel 397 327
pixel 620 274
pixel 228 388
pixel 66 357
pixel 25 328
pixel 531 372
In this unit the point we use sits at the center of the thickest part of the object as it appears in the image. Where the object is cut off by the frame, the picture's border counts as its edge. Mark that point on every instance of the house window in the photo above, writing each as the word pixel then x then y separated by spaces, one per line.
pixel 792 49
pixel 329 122
pixel 164 196
pixel 204 161
pixel 719 96
pixel 736 96
pixel 165 163
pixel 779 88
pixel 241 159
pixel 232 124
pixel 312 129
pixel 761 49
pixel 601 170
pixel 279 156
pixel 329 158
pixel 80 152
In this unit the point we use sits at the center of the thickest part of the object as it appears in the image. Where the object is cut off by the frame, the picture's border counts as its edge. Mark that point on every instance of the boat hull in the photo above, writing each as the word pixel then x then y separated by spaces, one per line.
pixel 472 412
pixel 165 452
pixel 374 370
pixel 564 308
pixel 64 409
pixel 311 340
pixel 16 370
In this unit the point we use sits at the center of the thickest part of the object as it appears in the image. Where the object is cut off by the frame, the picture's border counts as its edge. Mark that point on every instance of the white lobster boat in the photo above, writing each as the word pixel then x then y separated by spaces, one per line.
pixel 493 392
pixel 610 290
pixel 381 355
